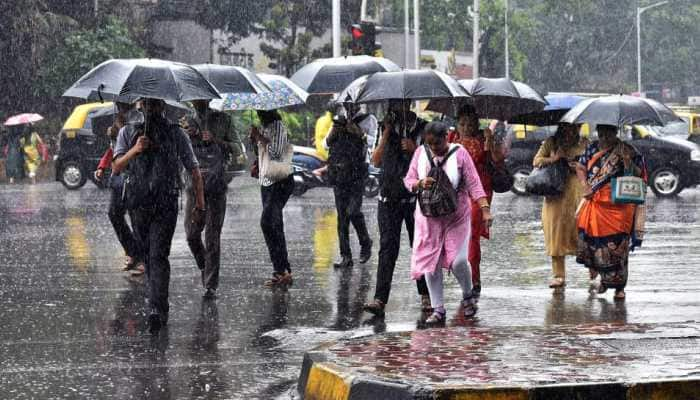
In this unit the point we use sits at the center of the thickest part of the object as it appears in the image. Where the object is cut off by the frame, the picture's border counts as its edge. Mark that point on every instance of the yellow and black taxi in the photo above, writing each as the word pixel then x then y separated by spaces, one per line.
pixel 673 162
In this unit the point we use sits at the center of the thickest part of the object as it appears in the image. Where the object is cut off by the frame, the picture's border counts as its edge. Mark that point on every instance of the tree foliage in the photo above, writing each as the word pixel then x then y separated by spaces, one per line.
pixel 81 51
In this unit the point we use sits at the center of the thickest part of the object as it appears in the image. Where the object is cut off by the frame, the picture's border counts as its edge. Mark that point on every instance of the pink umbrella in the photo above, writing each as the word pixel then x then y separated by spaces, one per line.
pixel 20 119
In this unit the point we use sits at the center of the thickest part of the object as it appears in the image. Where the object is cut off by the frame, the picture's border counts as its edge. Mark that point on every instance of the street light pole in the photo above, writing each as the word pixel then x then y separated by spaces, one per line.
pixel 407 33
pixel 475 40
pixel 336 28
pixel 416 33
pixel 506 35
pixel 640 10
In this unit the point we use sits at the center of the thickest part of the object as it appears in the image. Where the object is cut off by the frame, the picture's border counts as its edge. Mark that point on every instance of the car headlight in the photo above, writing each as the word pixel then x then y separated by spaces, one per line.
pixel 695 155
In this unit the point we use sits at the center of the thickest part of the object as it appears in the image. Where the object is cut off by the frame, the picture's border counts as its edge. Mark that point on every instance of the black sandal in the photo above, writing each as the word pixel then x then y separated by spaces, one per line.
pixel 279 280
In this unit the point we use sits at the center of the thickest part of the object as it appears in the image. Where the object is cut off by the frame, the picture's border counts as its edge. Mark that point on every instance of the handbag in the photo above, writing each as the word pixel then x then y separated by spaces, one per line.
pixel 272 169
pixel 628 190
pixel 501 178
pixel 549 180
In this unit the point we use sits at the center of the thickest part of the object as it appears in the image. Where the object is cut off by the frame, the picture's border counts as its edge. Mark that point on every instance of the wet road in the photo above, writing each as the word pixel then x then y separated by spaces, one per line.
pixel 73 325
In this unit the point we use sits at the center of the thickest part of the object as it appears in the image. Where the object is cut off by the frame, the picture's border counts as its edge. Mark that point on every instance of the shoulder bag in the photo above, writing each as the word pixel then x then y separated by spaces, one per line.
pixel 272 169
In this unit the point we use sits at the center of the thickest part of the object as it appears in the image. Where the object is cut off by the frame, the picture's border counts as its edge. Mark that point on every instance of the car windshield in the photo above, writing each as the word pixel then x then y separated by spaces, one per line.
pixel 673 129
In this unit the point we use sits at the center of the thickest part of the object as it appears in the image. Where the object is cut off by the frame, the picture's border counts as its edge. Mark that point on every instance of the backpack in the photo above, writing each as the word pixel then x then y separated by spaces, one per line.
pixel 211 161
pixel 441 198
pixel 347 159
pixel 153 175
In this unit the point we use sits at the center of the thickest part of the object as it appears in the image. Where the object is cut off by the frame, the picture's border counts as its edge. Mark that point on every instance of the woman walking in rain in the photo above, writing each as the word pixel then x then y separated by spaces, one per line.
pixel 443 242
pixel 276 186
pixel 558 213
pixel 605 228
pixel 483 149
pixel 30 146
pixel 14 162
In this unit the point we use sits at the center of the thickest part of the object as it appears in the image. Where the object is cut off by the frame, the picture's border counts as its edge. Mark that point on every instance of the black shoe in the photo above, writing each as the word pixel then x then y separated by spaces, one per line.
pixel 209 294
pixel 346 262
pixel 366 253
pixel 154 322
pixel 375 307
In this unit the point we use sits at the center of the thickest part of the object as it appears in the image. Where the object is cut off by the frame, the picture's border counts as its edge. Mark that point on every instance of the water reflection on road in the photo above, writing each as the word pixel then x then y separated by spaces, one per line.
pixel 74 324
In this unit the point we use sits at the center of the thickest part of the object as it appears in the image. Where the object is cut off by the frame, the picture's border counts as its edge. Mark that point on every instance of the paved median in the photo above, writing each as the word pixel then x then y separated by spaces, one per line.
pixel 593 361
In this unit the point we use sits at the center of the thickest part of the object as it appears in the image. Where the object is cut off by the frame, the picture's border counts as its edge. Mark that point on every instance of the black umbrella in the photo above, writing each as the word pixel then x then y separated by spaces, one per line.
pixel 498 98
pixel 229 79
pixel 331 75
pixel 403 85
pixel 620 110
pixel 132 78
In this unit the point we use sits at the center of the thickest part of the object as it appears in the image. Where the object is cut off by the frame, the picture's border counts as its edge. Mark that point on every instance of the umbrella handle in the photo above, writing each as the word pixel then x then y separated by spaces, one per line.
pixel 99 93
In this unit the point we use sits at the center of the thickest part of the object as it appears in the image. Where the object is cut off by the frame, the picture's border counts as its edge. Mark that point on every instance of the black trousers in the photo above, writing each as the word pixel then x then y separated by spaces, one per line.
pixel 391 216
pixel 348 203
pixel 207 254
pixel 125 235
pixel 274 198
pixel 154 228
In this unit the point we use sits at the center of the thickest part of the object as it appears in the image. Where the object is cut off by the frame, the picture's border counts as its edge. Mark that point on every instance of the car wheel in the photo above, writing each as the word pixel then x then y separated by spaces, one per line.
pixel 665 182
pixel 371 187
pixel 72 177
pixel 520 175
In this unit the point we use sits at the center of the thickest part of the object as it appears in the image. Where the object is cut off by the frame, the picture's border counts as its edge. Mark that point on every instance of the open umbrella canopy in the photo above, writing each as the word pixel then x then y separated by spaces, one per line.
pixel 498 98
pixel 331 75
pixel 557 106
pixel 402 85
pixel 230 79
pixel 21 119
pixel 620 110
pixel 152 78
pixel 282 93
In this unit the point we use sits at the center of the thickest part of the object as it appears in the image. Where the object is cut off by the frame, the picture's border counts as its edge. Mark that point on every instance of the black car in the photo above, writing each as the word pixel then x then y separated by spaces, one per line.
pixel 81 147
pixel 673 163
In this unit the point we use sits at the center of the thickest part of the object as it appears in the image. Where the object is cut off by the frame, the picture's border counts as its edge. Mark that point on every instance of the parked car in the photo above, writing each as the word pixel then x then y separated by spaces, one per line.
pixel 673 163
pixel 83 140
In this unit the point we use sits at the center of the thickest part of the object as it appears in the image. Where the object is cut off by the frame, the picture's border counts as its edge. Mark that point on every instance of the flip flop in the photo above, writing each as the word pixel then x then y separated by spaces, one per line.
pixel 139 269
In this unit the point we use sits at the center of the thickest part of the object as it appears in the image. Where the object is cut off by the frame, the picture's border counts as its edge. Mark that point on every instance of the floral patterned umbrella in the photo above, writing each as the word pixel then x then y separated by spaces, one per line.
pixel 283 93
pixel 21 119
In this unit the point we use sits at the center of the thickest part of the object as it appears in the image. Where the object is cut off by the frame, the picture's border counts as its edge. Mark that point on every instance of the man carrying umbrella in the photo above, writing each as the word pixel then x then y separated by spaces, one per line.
pixel 401 133
pixel 150 155
pixel 347 171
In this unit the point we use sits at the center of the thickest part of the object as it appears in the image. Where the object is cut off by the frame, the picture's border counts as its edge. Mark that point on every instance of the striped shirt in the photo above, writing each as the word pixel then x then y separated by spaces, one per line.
pixel 277 134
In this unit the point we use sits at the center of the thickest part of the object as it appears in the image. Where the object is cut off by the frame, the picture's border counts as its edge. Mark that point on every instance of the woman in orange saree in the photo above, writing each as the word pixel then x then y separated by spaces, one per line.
pixel 606 228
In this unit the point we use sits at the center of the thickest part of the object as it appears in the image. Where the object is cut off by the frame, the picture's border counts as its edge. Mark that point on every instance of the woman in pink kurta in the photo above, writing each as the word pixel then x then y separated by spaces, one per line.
pixel 442 242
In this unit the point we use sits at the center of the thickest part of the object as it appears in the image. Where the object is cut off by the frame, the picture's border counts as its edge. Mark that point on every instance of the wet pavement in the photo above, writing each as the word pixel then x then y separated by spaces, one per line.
pixel 74 325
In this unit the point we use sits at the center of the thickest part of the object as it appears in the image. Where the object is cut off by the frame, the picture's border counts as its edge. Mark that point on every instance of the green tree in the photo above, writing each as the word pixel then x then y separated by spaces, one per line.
pixel 83 50
pixel 289 28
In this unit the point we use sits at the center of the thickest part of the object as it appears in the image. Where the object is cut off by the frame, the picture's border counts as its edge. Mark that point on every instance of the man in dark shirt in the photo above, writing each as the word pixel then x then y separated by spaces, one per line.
pixel 401 134
pixel 347 171
pixel 217 127
pixel 151 156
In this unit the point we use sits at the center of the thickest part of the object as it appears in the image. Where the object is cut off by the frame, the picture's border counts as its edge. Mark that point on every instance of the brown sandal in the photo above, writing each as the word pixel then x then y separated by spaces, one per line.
pixel 619 295
pixel 279 280
pixel 557 283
